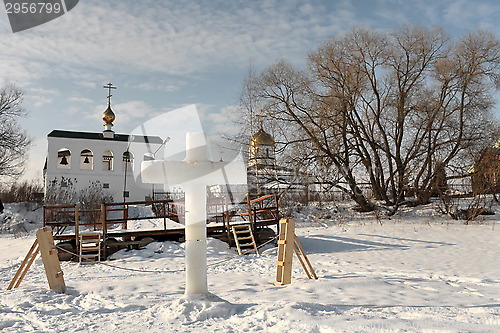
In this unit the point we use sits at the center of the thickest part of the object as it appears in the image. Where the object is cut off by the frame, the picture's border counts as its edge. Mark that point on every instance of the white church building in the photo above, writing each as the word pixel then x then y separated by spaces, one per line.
pixel 105 159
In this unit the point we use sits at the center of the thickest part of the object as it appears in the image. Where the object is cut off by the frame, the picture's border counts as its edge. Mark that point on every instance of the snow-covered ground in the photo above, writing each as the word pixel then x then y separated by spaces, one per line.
pixel 417 272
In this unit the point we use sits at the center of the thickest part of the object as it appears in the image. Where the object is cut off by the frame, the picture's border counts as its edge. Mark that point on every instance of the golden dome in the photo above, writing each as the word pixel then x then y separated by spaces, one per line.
pixel 261 138
pixel 108 116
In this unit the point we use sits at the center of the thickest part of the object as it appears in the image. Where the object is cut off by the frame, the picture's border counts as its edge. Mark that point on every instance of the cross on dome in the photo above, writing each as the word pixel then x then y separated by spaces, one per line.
pixel 109 86
pixel 108 116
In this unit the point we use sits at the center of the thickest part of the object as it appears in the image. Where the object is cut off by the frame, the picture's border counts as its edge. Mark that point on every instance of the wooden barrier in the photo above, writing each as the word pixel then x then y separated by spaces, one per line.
pixel 50 260
pixel 288 244
pixel 44 244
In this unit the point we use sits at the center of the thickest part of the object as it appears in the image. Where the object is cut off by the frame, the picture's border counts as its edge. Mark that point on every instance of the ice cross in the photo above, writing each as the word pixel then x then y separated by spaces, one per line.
pixel 195 173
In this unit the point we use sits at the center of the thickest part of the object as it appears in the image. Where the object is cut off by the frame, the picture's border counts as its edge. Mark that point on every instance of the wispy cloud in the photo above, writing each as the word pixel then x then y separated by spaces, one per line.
pixel 473 14
pixel 224 121
pixel 158 86
pixel 176 38
pixel 43 91
pixel 84 100
pixel 39 101
pixel 187 37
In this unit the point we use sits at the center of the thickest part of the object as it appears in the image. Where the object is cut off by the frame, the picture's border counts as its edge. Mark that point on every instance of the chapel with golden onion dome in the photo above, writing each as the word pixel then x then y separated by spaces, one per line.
pixel 105 160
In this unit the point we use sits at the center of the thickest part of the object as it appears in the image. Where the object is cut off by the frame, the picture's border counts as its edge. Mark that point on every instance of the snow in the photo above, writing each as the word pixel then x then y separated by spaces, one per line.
pixel 146 224
pixel 415 272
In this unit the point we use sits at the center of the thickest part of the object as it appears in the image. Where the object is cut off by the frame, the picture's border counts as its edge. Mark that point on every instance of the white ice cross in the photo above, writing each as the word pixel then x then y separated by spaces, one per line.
pixel 195 173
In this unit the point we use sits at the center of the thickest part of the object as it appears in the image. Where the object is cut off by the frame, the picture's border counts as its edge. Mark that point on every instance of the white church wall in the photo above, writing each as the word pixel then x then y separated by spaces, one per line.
pixel 113 180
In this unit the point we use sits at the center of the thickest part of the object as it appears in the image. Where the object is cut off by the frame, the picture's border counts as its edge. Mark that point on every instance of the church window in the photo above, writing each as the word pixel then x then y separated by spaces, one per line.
pixel 64 159
pixel 128 161
pixel 86 160
pixel 107 160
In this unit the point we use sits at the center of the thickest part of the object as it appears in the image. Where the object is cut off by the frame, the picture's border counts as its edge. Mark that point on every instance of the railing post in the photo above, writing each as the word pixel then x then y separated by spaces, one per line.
pixel 276 201
pixel 164 202
pixel 125 216
pixel 103 220
pixel 225 219
pixel 94 220
pixel 77 227
pixel 104 227
pixel 249 206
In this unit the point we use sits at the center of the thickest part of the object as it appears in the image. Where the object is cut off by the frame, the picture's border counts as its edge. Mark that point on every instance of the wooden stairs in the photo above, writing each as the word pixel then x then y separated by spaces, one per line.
pixel 89 247
pixel 244 239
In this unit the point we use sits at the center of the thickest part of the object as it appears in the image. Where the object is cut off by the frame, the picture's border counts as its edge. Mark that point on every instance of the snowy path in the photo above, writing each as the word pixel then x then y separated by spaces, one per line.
pixel 396 277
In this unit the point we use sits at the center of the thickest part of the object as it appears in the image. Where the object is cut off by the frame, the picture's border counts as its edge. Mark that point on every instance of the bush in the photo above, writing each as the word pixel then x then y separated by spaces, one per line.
pixel 61 192
pixel 26 191
pixel 93 196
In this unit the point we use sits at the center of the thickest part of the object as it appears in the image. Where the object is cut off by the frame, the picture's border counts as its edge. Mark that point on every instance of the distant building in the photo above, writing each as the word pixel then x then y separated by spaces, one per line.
pixel 261 169
pixel 264 175
pixel 485 172
pixel 103 159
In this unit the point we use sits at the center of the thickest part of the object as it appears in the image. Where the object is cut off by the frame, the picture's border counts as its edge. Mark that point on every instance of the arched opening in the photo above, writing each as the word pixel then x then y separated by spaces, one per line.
pixel 107 160
pixel 128 161
pixel 64 159
pixel 86 160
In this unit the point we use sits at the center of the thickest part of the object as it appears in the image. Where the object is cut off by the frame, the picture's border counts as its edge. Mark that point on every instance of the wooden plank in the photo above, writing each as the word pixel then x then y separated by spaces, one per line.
pixel 28 265
pixel 25 266
pixel 302 262
pixel 285 253
pixel 280 261
pixel 288 244
pixel 237 243
pixel 262 198
pixel 50 260
pixel 302 252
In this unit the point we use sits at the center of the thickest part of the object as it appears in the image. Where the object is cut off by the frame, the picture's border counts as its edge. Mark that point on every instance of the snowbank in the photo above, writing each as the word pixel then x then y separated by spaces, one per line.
pixel 21 218
pixel 414 273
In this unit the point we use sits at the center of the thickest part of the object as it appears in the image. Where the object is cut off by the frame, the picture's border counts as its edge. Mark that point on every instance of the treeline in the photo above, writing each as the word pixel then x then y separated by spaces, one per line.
pixel 26 191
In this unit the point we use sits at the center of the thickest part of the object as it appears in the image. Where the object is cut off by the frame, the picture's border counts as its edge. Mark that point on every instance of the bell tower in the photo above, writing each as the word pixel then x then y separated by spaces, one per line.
pixel 261 160
pixel 261 152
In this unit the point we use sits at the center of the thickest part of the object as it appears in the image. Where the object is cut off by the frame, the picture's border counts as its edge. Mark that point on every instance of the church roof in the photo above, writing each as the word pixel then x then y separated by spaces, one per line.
pixel 99 136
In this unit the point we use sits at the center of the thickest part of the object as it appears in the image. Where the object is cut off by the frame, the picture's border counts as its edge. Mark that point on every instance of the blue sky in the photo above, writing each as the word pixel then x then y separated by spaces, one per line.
pixel 166 54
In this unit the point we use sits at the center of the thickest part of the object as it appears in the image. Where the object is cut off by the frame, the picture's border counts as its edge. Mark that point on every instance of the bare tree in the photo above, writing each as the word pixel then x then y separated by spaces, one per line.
pixel 319 131
pixel 14 142
pixel 397 109
pixel 460 123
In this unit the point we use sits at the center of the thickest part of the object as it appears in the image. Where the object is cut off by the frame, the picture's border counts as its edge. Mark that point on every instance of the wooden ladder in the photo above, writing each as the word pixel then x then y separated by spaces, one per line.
pixel 89 246
pixel 243 237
